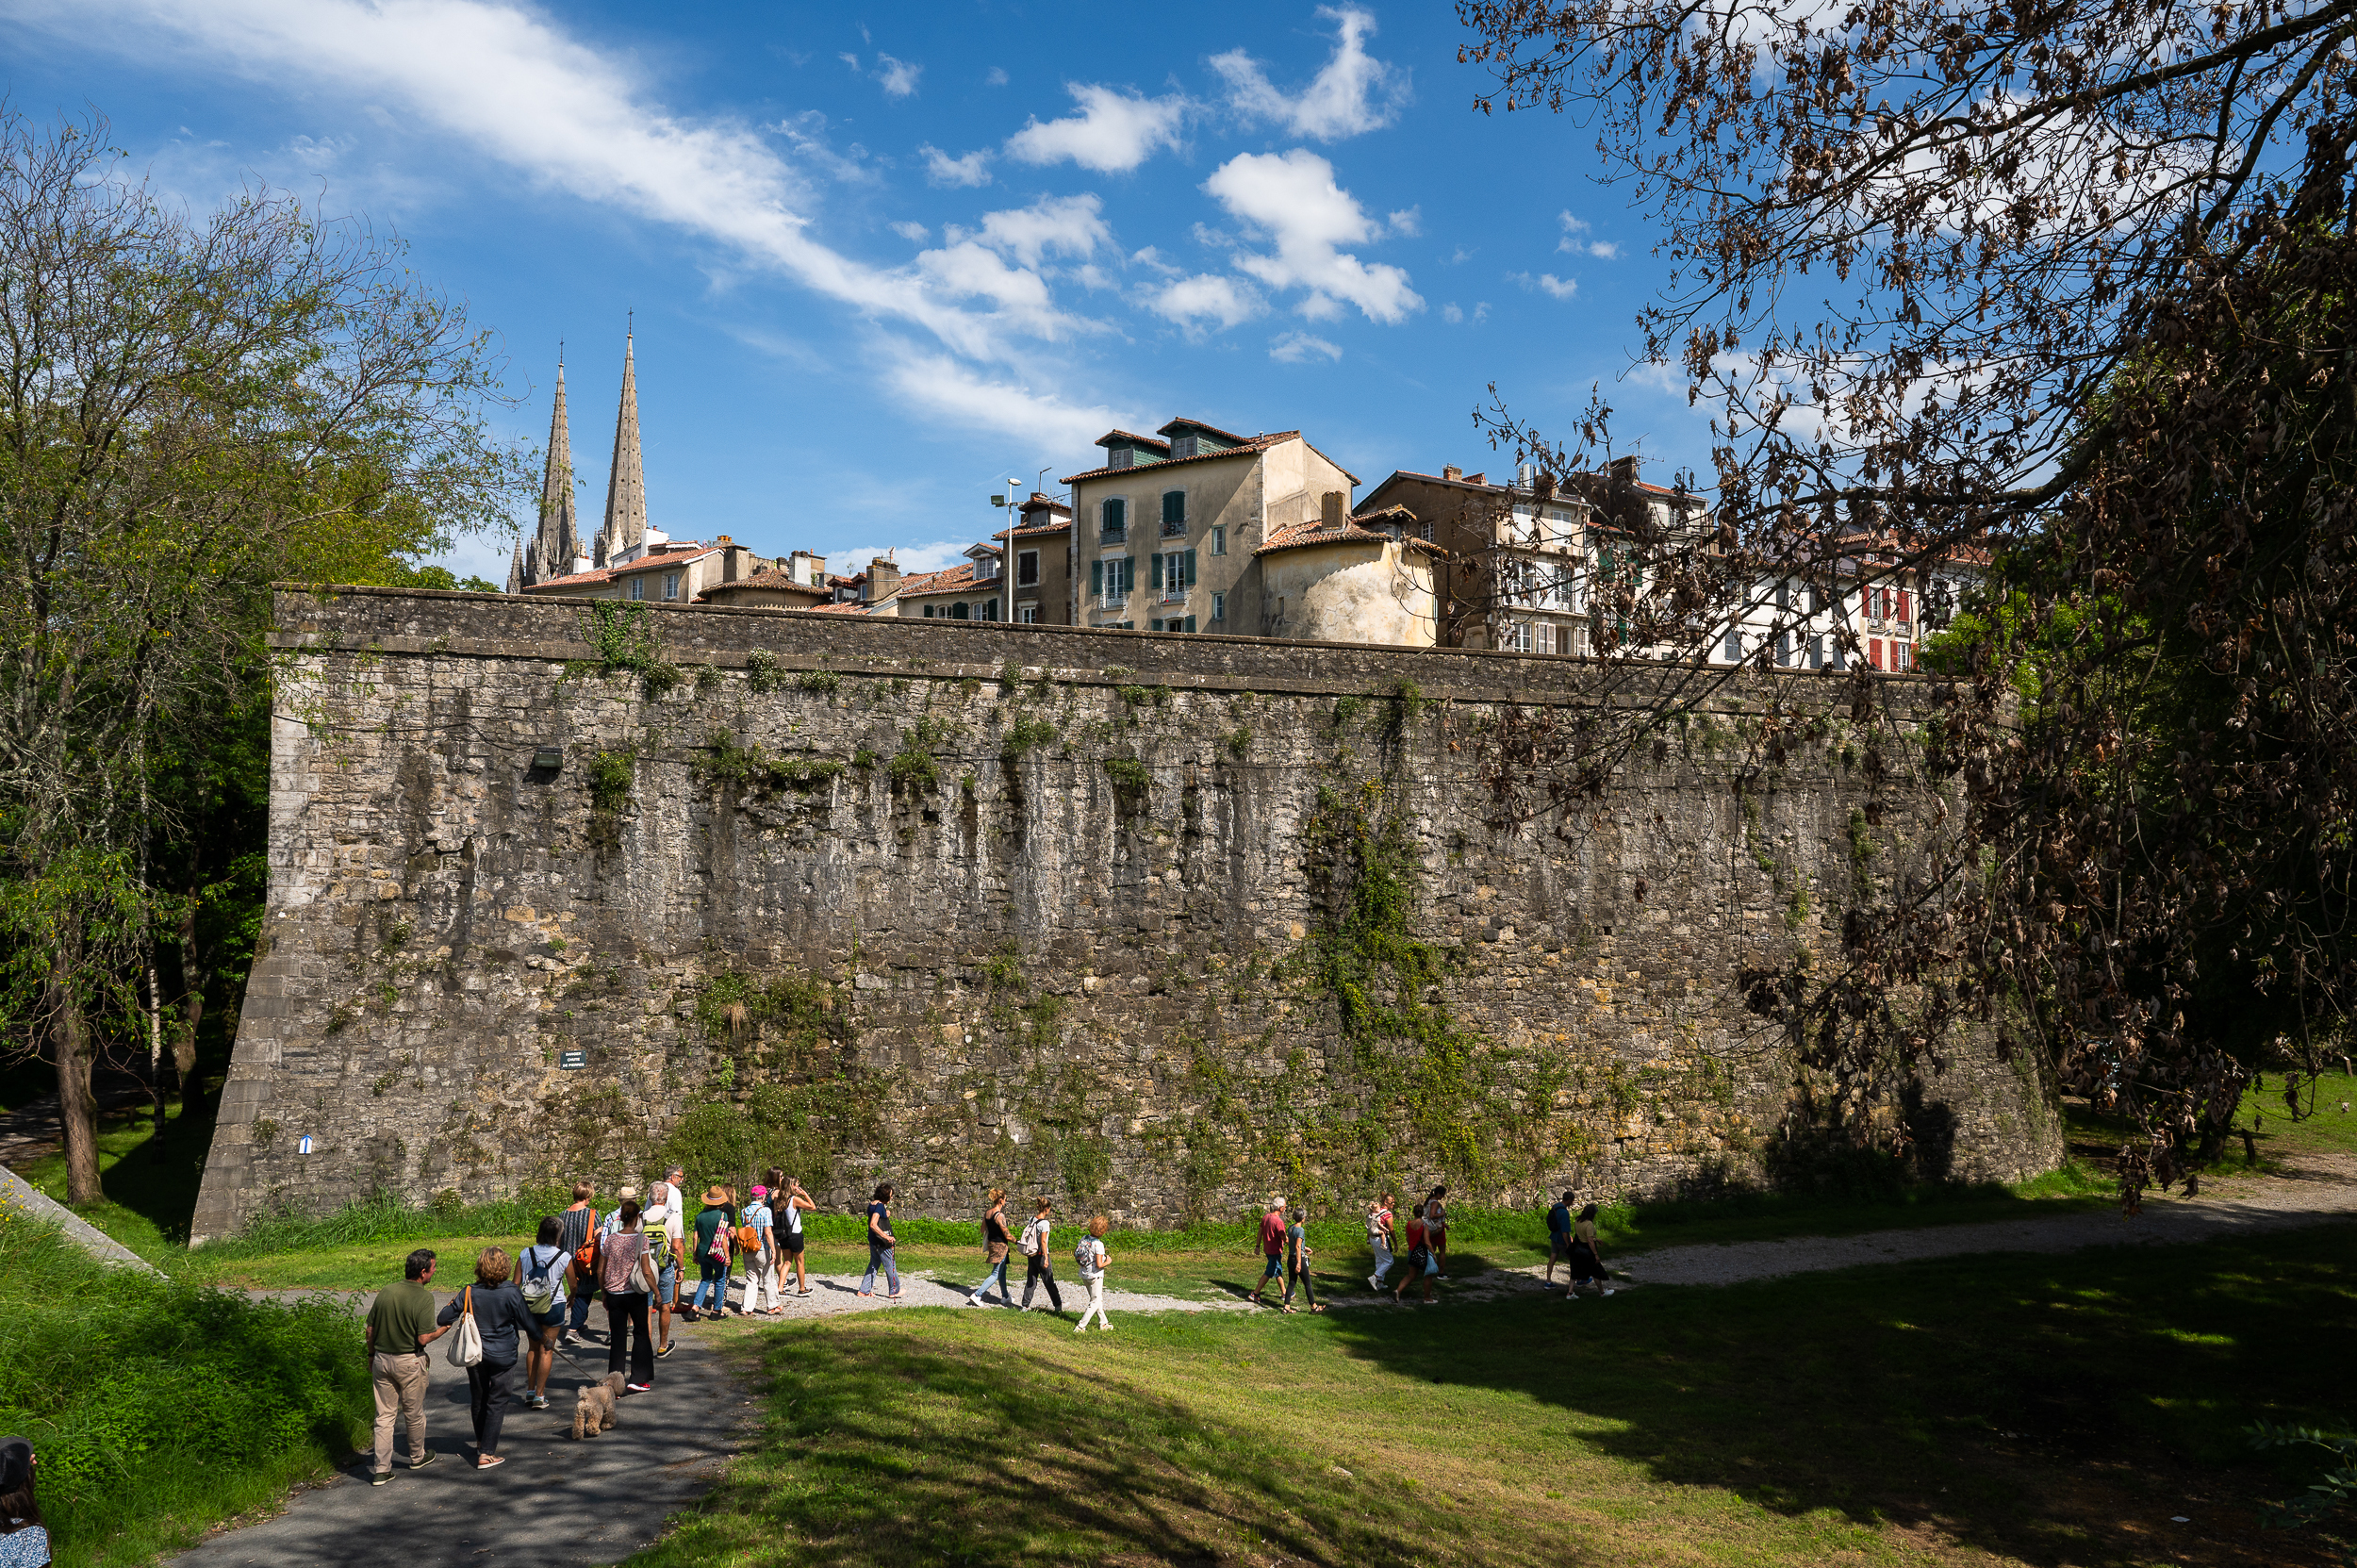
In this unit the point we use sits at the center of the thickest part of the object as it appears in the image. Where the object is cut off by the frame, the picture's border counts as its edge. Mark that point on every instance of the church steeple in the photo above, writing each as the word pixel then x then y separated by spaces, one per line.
pixel 626 487
pixel 560 532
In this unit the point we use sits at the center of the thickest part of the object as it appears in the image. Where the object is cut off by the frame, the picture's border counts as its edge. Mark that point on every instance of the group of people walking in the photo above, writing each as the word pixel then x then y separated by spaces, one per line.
pixel 520 1310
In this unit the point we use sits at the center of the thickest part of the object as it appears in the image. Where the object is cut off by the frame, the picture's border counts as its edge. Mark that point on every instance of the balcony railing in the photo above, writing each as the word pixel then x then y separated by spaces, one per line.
pixel 1174 528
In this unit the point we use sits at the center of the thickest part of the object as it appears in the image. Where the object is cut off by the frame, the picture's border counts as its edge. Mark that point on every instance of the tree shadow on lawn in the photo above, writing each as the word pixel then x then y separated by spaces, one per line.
pixel 2058 1408
pixel 888 1444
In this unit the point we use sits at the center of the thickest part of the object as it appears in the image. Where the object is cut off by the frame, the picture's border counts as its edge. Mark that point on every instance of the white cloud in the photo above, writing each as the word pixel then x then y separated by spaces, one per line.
pixel 1409 222
pixel 851 60
pixel 913 230
pixel 943 170
pixel 1205 297
pixel 1562 289
pixel 1294 200
pixel 1113 133
pixel 1050 427
pixel 997 77
pixel 516 88
pixel 1294 347
pixel 899 76
pixel 1355 93
pixel 1481 312
pixel 1603 249
pixel 1152 261
pixel 1450 314
pixel 1053 226
pixel 968 271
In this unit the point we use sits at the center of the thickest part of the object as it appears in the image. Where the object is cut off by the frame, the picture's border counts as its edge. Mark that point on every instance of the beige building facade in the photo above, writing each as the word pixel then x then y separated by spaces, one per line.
pixel 1165 532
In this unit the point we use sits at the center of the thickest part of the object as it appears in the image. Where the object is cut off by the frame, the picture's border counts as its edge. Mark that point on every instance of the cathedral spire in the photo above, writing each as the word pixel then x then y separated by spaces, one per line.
pixel 560 532
pixel 626 487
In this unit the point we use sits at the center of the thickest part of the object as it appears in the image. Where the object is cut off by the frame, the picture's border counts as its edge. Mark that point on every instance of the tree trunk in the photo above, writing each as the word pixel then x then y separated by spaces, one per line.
pixel 191 1015
pixel 77 1106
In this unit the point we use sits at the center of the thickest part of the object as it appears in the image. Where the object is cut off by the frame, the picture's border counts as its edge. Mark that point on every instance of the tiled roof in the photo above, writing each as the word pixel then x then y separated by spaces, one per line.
pixel 770 579
pixel 576 580
pixel 1348 532
pixel 839 609
pixel 953 580
pixel 1198 424
pixel 1245 447
pixel 1062 526
pixel 1128 436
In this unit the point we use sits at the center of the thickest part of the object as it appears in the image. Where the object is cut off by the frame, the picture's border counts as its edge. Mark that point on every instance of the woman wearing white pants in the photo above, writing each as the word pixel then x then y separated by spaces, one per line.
pixel 761 1275
pixel 1092 1257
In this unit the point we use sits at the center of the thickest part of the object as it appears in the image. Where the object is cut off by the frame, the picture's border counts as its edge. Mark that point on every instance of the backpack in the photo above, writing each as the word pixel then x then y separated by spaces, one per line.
pixel 1085 1252
pixel 585 1256
pixel 541 1288
pixel 719 1252
pixel 1030 1240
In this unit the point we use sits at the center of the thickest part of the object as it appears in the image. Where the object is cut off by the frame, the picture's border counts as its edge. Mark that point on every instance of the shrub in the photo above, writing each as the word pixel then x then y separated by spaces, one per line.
pixel 160 1408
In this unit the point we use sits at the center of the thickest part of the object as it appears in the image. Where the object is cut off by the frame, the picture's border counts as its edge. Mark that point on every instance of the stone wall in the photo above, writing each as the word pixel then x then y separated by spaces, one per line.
pixel 1154 924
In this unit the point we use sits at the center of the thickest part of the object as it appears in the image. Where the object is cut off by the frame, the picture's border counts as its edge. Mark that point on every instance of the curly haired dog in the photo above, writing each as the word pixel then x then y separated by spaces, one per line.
pixel 594 1406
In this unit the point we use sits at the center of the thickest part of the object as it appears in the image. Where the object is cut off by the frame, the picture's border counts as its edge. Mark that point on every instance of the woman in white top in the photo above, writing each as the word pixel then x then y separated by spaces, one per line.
pixel 761 1277
pixel 1092 1258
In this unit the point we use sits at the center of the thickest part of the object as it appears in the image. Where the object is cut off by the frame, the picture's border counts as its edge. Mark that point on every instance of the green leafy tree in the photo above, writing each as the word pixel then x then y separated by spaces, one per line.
pixel 191 408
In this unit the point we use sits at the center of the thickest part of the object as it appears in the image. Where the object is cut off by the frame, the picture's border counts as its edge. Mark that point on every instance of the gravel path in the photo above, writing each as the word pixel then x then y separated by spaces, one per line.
pixel 2242 1205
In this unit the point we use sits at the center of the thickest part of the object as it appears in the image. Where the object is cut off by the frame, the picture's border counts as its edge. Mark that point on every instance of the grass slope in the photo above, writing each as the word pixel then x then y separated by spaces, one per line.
pixel 158 1407
pixel 2012 1409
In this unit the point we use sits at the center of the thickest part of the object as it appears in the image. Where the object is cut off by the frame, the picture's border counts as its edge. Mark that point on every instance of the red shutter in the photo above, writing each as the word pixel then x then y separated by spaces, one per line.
pixel 1874 652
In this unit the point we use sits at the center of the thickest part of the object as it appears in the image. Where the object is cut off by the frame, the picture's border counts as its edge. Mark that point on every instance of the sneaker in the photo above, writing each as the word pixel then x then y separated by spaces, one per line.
pixel 1607 1290
pixel 639 1388
pixel 381 1478
pixel 661 1351
pixel 430 1457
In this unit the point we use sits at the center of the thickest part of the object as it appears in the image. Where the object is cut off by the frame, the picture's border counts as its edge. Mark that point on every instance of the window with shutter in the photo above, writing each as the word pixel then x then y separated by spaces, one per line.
pixel 1174 512
pixel 1219 540
pixel 1116 516
pixel 1219 606
pixel 1097 579
pixel 928 612
pixel 1734 648
pixel 1189 626
pixel 1903 605
pixel 1154 578
pixel 1874 652
pixel 1190 570
pixel 1027 569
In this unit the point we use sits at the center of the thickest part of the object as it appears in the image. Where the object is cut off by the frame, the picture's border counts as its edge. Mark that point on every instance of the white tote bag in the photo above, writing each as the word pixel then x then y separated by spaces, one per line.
pixel 466 1340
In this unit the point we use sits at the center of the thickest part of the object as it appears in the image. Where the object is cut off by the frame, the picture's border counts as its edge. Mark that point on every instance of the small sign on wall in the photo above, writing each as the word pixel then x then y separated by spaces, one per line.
pixel 572 1060
pixel 302 1145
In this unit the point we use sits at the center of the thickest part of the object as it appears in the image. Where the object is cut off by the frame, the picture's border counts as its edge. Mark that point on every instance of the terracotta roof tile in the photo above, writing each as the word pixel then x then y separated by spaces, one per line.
pixel 1244 448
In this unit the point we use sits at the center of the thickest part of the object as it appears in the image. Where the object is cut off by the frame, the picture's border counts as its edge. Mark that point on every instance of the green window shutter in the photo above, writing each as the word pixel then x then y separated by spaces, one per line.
pixel 1189 624
pixel 1097 579
pixel 1174 506
pixel 1157 574
pixel 1190 575
pixel 1116 515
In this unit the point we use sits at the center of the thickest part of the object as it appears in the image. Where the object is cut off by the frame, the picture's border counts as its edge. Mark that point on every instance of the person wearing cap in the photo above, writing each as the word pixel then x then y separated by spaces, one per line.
pixel 761 1270
pixel 23 1538
pixel 400 1326
pixel 665 1221
pixel 715 1223
pixel 1272 1248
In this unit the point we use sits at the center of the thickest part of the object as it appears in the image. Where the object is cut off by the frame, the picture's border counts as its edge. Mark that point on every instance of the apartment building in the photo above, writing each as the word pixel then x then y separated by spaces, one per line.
pixel 971 591
pixel 1165 530
pixel 1038 564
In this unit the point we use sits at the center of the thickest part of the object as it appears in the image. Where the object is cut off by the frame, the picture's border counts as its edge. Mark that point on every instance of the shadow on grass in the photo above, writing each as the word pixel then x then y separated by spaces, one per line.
pixel 890 1443
pixel 2057 1408
pixel 151 1190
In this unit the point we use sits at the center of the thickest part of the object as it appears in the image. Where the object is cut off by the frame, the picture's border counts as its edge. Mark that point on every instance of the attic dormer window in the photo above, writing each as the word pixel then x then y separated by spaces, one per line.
pixel 1120 456
pixel 1184 446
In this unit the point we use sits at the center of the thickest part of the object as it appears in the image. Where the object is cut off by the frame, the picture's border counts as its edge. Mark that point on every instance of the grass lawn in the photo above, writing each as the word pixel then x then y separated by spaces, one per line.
pixel 1995 1409
pixel 2280 1142
pixel 148 1199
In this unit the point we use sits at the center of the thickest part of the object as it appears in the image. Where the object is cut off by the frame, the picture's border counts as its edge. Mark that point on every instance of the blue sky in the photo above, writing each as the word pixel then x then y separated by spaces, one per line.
pixel 881 261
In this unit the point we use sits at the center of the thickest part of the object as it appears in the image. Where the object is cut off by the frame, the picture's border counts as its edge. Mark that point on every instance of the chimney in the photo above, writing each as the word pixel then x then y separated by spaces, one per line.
pixel 1482 478
pixel 1331 508
pixel 1451 471
pixel 884 580
pixel 731 559
pixel 1624 471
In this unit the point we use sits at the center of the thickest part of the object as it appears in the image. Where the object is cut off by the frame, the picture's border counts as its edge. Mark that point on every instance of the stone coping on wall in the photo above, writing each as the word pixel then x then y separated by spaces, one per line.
pixel 428 621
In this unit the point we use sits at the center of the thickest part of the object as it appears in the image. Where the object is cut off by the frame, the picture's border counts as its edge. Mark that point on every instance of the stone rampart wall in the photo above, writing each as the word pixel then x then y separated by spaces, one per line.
pixel 1153 924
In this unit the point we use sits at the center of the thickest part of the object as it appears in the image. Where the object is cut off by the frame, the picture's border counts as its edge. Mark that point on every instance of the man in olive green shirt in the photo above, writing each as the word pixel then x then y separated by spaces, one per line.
pixel 400 1326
